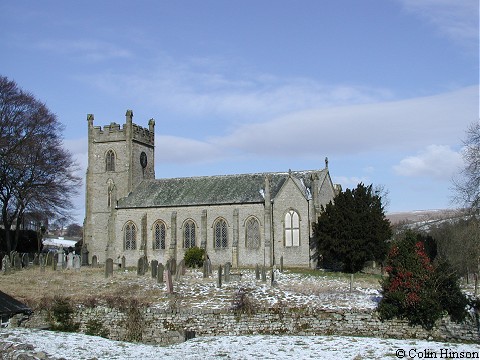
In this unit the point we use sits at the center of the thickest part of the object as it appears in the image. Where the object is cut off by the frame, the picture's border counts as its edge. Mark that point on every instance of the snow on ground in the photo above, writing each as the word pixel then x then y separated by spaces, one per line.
pixel 83 347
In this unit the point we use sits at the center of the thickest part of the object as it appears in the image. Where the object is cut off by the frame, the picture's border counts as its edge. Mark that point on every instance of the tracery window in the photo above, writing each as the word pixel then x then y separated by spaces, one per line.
pixel 252 233
pixel 130 236
pixel 220 234
pixel 110 161
pixel 159 235
pixel 189 234
pixel 292 229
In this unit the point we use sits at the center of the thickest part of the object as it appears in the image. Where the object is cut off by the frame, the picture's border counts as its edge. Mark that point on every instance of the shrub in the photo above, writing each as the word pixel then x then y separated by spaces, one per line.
pixel 194 257
pixel 417 289
pixel 61 315
pixel 95 327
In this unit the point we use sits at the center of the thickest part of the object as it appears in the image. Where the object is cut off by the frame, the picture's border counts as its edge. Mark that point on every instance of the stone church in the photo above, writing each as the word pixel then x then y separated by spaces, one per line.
pixel 244 219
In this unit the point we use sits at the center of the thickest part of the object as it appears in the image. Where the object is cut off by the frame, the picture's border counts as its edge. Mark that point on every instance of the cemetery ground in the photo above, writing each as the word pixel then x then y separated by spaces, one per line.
pixel 295 287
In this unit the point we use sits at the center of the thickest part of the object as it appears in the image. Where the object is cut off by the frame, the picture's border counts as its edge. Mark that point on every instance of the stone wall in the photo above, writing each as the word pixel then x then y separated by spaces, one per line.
pixel 159 326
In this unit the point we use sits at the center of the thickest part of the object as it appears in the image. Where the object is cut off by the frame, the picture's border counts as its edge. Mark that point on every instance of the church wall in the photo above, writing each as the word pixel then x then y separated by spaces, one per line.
pixel 246 257
pixel 290 197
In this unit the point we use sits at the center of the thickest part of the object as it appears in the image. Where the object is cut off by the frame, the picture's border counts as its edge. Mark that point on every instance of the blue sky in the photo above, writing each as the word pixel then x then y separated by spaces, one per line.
pixel 384 88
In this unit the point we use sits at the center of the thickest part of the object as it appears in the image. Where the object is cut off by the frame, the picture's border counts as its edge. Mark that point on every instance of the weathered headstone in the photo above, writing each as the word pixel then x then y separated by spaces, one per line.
pixel 219 277
pixel 180 270
pixel 17 262
pixel 94 261
pixel 173 266
pixel 264 274
pixel 272 277
pixel 169 282
pixel 5 265
pixel 124 260
pixel 160 270
pixel 109 268
pixel 41 262
pixel 257 272
pixel 54 262
pixel 140 266
pixel 84 255
pixel 76 262
pixel 49 259
pixel 205 269
pixel 25 260
pixel 70 260
pixel 154 266
pixel 61 259
pixel 35 260
pixel 228 266
pixel 281 264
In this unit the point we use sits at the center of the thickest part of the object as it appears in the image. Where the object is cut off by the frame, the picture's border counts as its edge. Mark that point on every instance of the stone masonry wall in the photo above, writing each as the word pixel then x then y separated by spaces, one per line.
pixel 159 326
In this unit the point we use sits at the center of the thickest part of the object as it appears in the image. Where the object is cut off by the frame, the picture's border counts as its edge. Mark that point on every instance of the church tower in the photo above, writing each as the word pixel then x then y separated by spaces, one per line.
pixel 119 158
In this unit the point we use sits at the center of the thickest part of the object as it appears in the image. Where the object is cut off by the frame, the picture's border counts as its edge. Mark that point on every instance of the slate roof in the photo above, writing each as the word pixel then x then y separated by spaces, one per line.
pixel 214 190
pixel 10 306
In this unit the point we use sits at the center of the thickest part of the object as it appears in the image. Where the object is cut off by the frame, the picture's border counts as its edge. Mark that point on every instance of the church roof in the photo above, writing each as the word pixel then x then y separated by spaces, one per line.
pixel 214 190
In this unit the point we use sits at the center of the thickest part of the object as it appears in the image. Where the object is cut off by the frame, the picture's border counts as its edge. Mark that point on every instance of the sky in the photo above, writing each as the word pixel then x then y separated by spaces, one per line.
pixel 386 89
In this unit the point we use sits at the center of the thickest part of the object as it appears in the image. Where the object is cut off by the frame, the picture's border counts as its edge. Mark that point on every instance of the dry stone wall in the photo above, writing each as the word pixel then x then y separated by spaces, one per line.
pixel 160 326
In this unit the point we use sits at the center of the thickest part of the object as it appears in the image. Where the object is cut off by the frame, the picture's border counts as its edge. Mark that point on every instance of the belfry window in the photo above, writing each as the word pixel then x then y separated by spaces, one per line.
pixel 292 229
pixel 130 236
pixel 110 161
pixel 220 234
pixel 252 234
pixel 159 235
pixel 189 234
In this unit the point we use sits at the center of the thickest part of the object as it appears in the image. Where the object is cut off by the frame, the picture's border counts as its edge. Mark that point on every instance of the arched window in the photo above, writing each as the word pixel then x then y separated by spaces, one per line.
pixel 252 233
pixel 110 161
pixel 292 229
pixel 189 234
pixel 220 234
pixel 159 235
pixel 130 236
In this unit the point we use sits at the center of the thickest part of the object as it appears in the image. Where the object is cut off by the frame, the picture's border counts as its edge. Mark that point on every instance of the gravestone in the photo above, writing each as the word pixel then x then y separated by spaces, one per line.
pixel 49 259
pixel 123 262
pixel 41 262
pixel 281 264
pixel 141 266
pixel 219 277
pixel 160 270
pixel 17 261
pixel 25 260
pixel 205 269
pixel 109 268
pixel 84 255
pixel 94 261
pixel 54 262
pixel 70 260
pixel 76 262
pixel 228 266
pixel 264 274
pixel 154 265
pixel 5 265
pixel 168 276
pixel 60 260
pixel 35 260
pixel 180 270
pixel 272 277
pixel 167 265
pixel 257 272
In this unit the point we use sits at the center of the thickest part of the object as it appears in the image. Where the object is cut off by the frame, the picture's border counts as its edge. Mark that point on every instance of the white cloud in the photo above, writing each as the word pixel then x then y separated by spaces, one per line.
pixel 458 19
pixel 436 161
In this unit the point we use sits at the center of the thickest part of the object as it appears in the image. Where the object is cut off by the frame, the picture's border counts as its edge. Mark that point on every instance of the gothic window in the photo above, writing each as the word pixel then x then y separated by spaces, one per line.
pixel 110 161
pixel 252 234
pixel 189 234
pixel 292 229
pixel 220 234
pixel 130 236
pixel 159 235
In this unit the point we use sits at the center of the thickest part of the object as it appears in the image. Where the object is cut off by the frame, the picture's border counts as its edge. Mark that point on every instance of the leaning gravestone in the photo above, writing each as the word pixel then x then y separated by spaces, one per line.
pixel 109 268
pixel 154 265
pixel 169 282
pixel 141 266
pixel 160 270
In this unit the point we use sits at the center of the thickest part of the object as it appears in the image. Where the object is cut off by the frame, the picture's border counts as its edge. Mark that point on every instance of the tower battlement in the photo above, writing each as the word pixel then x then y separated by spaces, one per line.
pixel 117 132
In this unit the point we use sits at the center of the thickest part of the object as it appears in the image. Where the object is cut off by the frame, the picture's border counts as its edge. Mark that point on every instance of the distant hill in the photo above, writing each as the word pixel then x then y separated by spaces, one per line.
pixel 422 219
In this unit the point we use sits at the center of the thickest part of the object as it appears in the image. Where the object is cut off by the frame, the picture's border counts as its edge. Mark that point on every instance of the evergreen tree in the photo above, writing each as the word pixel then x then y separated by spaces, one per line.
pixel 351 230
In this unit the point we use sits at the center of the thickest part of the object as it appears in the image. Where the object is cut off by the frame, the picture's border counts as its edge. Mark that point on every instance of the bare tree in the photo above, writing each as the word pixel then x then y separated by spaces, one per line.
pixel 36 172
pixel 467 186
